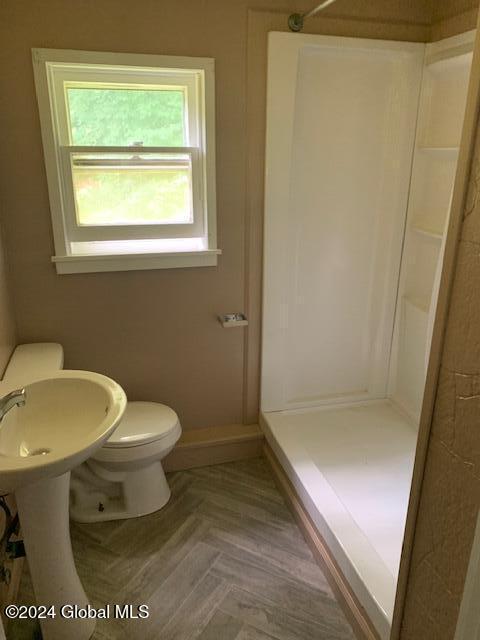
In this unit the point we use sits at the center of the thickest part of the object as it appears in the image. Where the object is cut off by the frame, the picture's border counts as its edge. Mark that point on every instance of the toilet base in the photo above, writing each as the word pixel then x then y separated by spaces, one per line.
pixel 98 494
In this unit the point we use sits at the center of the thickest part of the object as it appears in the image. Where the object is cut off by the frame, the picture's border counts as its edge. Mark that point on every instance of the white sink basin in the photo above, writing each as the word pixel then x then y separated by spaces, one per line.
pixel 66 417
pixel 64 420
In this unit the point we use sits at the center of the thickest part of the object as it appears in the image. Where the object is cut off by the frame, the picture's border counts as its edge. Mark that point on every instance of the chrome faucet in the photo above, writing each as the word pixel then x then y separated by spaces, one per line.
pixel 15 398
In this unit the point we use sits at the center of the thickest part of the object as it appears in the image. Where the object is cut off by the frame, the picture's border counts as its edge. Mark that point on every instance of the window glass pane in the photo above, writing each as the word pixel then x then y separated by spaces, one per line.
pixel 120 189
pixel 123 117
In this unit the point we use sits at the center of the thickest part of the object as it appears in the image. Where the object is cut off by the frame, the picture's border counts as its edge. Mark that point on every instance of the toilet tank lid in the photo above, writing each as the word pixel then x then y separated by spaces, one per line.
pixel 33 361
pixel 143 422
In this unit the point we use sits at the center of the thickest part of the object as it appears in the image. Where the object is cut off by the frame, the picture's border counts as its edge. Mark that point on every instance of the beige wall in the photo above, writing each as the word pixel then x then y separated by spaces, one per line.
pixel 7 322
pixel 155 332
pixel 451 8
pixel 450 17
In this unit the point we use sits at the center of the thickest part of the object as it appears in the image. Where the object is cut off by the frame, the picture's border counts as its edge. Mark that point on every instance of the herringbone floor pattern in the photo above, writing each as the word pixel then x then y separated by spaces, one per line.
pixel 222 561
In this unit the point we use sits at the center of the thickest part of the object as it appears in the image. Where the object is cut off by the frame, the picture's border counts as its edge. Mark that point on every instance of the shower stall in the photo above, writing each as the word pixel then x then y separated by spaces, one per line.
pixel 361 150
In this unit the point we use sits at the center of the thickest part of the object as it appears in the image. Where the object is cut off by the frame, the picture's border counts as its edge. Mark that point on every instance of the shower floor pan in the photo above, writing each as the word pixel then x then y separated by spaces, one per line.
pixel 352 468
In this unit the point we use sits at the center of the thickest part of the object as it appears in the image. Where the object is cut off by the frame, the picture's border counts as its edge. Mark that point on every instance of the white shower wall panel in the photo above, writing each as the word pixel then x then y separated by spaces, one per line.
pixel 340 134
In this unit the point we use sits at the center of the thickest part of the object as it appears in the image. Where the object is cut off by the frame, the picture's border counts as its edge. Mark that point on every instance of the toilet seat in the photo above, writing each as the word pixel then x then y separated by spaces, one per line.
pixel 148 430
pixel 143 423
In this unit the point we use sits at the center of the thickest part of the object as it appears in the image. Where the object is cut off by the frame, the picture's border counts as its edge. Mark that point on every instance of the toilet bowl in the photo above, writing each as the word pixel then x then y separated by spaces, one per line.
pixel 125 478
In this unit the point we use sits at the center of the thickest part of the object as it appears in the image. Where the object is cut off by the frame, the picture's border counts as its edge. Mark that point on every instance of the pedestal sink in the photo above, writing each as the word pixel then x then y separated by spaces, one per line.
pixel 65 419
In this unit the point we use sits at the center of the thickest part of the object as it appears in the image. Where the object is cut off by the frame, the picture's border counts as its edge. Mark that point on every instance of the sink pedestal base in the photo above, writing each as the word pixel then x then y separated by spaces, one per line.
pixel 44 519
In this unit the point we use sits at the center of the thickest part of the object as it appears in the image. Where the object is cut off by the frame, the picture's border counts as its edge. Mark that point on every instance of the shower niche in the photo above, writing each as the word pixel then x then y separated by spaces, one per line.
pixel 361 153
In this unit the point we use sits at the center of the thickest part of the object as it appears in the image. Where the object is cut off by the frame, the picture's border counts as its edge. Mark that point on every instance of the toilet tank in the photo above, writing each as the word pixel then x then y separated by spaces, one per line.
pixel 35 360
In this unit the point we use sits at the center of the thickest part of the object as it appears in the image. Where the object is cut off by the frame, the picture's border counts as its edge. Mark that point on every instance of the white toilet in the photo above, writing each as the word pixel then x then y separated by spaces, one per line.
pixel 125 478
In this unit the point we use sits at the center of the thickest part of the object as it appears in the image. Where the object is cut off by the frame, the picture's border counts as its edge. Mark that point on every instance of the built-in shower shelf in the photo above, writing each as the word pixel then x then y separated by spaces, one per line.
pixel 425 232
pixel 420 303
pixel 438 150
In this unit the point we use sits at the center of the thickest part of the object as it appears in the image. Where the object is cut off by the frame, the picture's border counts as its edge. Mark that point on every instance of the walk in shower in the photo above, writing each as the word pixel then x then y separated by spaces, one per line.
pixel 361 151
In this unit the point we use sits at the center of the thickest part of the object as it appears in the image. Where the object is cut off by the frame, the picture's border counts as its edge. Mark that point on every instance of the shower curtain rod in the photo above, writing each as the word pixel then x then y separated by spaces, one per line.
pixel 295 21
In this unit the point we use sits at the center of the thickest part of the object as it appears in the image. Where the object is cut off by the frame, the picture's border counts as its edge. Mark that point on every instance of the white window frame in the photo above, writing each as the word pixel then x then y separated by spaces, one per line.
pixel 82 248
pixel 95 233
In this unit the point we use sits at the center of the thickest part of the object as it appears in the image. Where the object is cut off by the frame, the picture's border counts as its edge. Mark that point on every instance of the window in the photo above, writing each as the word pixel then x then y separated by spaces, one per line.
pixel 129 152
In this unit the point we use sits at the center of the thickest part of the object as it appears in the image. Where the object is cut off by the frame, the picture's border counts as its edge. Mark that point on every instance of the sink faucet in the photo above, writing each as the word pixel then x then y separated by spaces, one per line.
pixel 15 398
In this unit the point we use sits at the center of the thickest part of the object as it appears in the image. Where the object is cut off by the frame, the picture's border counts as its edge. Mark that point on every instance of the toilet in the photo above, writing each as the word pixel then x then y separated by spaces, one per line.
pixel 125 478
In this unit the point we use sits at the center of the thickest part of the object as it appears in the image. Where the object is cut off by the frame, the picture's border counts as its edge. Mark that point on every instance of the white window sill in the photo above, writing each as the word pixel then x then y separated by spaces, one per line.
pixel 92 257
